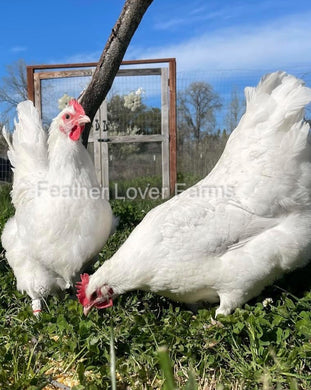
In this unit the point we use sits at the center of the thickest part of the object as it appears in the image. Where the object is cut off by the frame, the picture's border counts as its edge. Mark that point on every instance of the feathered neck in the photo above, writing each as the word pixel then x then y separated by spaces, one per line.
pixel 66 157
pixel 121 274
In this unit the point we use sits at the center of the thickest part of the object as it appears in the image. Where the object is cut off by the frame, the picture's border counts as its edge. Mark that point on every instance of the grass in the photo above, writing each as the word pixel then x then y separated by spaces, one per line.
pixel 158 344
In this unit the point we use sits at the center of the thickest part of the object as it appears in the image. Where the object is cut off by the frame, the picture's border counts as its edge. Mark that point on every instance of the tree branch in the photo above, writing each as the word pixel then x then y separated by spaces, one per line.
pixel 111 58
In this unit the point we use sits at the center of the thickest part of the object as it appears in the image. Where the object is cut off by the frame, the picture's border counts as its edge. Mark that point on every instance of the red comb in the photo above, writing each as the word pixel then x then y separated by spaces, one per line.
pixel 81 287
pixel 77 107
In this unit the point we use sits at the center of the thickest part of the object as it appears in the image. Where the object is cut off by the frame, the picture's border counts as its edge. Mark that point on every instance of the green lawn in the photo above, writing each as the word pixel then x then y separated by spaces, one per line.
pixel 258 347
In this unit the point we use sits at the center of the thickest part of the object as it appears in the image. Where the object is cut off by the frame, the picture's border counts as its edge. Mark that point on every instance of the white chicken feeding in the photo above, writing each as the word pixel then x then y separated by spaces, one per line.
pixel 61 220
pixel 236 231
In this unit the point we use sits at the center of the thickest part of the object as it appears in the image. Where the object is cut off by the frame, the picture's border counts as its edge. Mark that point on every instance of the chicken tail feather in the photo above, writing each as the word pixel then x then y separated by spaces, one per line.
pixel 27 152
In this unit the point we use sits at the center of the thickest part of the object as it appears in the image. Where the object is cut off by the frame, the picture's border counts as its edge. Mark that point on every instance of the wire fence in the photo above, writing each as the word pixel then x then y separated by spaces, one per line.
pixel 196 158
pixel 5 170
pixel 134 107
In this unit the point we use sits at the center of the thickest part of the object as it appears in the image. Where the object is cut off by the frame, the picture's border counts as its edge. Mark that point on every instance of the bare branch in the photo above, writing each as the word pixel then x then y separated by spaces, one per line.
pixel 111 58
pixel 13 89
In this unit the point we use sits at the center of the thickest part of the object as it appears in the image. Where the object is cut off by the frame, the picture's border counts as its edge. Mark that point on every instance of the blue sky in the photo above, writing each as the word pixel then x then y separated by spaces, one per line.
pixel 224 38
pixel 201 34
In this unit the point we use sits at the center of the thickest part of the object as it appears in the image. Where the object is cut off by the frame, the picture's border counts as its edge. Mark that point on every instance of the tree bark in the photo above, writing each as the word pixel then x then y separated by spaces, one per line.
pixel 111 58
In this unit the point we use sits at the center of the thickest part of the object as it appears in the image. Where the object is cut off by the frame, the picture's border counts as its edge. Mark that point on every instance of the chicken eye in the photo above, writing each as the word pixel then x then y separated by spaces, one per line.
pixel 67 116
pixel 94 296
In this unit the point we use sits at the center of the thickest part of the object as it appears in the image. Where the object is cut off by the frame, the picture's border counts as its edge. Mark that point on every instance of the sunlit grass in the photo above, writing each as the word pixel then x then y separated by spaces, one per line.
pixel 158 343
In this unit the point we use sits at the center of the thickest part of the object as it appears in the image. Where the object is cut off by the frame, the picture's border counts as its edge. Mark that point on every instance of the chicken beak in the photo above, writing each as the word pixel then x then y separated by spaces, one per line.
pixel 87 309
pixel 83 119
pixel 99 303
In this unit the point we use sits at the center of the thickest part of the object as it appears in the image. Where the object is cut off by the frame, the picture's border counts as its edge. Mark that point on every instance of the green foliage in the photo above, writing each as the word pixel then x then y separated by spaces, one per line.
pixel 141 186
pixel 261 346
pixel 121 118
pixel 6 207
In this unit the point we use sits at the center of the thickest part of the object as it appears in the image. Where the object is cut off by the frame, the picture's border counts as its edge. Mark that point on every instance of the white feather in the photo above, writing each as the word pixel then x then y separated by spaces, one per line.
pixel 227 248
pixel 55 232
pixel 27 153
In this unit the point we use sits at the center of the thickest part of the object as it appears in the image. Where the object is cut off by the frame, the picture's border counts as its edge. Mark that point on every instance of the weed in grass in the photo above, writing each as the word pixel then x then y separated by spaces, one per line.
pixel 258 347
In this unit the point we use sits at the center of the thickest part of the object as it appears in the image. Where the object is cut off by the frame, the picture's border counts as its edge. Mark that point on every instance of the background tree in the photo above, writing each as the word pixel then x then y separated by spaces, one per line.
pixel 13 89
pixel 199 144
pixel 128 115
pixel 236 109
pixel 123 116
pixel 196 109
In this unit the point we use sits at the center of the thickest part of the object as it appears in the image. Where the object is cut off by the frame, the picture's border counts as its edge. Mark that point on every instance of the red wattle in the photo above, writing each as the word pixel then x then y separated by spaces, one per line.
pixel 75 133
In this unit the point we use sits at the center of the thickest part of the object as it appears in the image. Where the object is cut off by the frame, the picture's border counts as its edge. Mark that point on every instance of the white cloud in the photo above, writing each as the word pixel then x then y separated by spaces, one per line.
pixel 165 25
pixel 77 58
pixel 193 17
pixel 18 49
pixel 284 42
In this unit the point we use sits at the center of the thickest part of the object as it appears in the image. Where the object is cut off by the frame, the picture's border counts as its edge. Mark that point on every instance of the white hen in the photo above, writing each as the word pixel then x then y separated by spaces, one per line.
pixel 59 225
pixel 237 230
